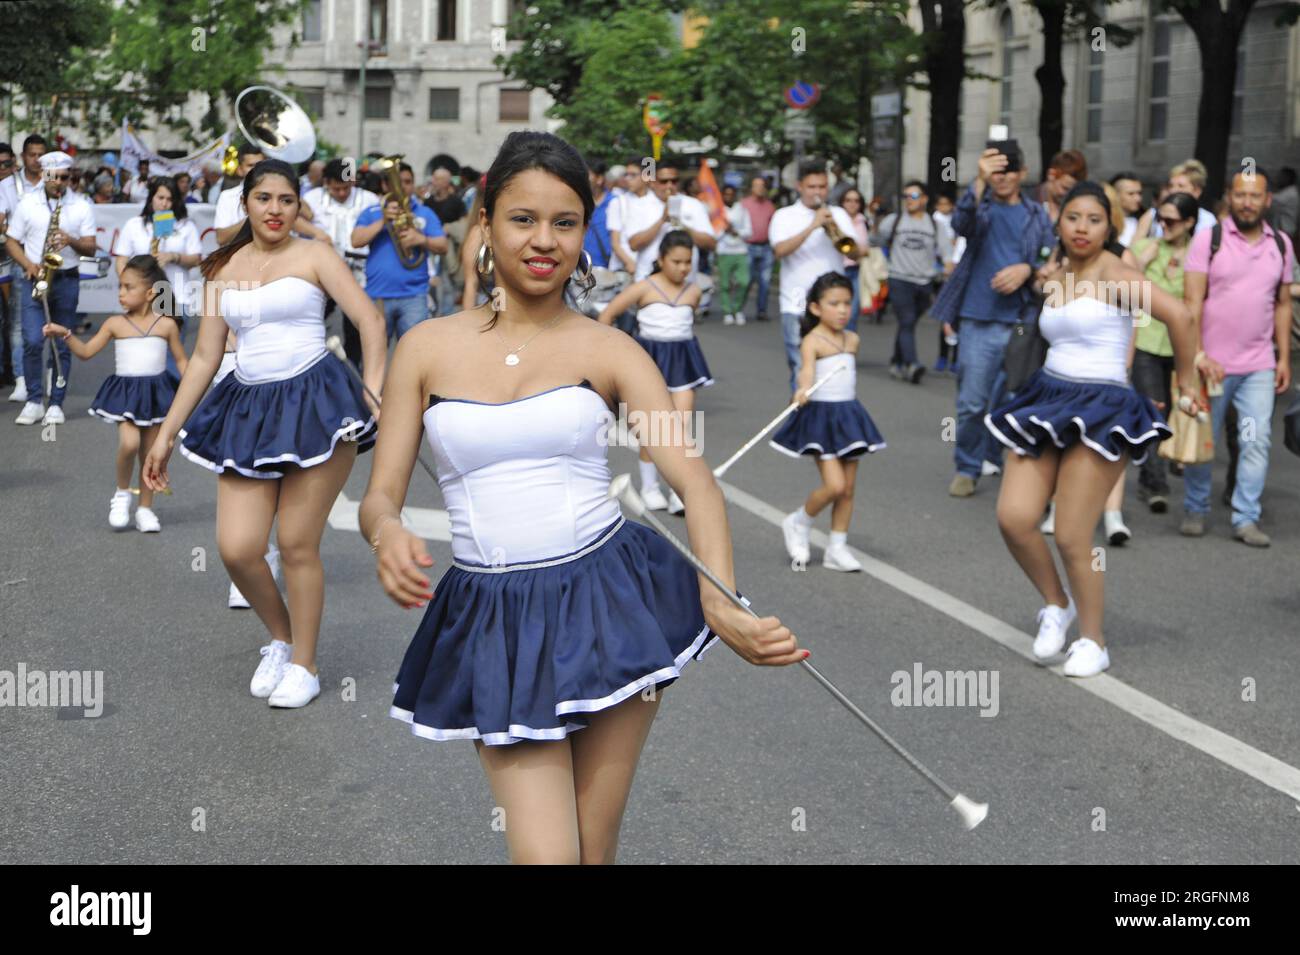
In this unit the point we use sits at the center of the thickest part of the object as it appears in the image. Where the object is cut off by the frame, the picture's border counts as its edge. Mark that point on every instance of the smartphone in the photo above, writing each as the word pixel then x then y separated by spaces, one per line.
pixel 1008 147
pixel 675 207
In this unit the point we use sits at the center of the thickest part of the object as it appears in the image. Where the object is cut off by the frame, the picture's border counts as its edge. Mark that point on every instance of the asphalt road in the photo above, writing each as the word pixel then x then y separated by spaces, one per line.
pixel 1162 761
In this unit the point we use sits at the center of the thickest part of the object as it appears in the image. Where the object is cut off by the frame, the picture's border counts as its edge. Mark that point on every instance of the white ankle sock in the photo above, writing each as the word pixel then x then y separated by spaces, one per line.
pixel 803 517
pixel 839 539
pixel 649 475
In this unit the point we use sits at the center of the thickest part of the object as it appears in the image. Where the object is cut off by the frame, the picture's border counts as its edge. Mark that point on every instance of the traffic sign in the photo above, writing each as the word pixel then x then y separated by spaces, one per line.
pixel 886 104
pixel 803 95
pixel 799 128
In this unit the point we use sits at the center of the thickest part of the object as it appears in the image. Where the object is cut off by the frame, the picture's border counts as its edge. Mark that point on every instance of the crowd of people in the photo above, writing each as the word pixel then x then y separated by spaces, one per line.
pixel 1075 379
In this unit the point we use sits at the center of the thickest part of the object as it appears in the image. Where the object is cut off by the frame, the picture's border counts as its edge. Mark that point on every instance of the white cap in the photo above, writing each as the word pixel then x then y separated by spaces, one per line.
pixel 56 160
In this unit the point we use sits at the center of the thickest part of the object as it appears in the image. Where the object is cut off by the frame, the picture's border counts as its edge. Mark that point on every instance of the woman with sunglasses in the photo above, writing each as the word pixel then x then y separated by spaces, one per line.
pixel 1161 262
pixel 855 205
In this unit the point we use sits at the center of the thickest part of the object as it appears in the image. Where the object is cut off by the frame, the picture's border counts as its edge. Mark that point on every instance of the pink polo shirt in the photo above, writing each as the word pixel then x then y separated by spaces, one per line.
pixel 1237 326
pixel 760 216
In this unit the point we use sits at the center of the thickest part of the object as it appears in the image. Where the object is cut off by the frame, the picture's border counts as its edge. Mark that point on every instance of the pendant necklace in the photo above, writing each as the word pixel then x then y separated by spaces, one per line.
pixel 512 356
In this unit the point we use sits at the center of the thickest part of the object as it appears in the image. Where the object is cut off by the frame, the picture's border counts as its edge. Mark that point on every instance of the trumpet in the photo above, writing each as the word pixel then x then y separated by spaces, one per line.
pixel 391 166
pixel 844 244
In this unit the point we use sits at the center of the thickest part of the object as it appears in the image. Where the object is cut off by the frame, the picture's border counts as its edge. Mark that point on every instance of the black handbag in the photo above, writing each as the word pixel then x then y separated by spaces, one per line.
pixel 1291 427
pixel 1026 350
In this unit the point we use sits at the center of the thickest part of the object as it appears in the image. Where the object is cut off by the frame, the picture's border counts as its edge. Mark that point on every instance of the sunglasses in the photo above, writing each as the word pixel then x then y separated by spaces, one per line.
pixel 913 195
pixel 61 178
pixel 6 164
pixel 1169 223
pixel 667 181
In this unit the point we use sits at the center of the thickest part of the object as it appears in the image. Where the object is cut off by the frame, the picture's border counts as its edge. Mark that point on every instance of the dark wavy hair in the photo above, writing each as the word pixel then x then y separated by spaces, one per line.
pixel 267 167
pixel 527 150
pixel 178 201
pixel 819 288
pixel 1093 190
pixel 147 267
pixel 1184 202
pixel 676 239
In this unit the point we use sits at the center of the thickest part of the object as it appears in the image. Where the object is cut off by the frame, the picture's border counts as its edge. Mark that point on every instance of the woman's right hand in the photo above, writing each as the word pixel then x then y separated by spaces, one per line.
pixel 762 641
pixel 399 556
pixel 154 470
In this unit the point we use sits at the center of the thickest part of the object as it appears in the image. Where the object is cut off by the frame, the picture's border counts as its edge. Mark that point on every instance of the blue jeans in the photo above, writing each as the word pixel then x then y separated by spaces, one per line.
pixel 62 298
pixel 760 271
pixel 1252 396
pixel 851 273
pixel 790 332
pixel 909 300
pixel 979 389
pixel 403 314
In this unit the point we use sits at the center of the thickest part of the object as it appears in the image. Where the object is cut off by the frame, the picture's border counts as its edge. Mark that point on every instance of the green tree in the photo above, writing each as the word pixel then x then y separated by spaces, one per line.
pixel 39 42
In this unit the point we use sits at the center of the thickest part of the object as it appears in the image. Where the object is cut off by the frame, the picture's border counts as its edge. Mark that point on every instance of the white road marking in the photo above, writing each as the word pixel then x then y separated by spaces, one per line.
pixel 427 522
pixel 1227 749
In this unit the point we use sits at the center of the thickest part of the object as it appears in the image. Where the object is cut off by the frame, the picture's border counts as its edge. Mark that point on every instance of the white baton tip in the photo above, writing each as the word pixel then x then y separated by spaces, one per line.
pixel 972 813
pixel 335 344
pixel 621 489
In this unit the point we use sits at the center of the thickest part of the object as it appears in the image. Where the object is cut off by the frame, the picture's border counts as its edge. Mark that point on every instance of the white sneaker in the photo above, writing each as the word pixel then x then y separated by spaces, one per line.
pixel 236 600
pixel 1116 531
pixel 654 498
pixel 989 469
pixel 1053 624
pixel 839 558
pixel 1049 522
pixel 119 510
pixel 675 504
pixel 20 390
pixel 298 687
pixel 728 319
pixel 740 318
pixel 796 537
pixel 275 657
pixel 54 415
pixel 32 412
pixel 146 521
pixel 1086 658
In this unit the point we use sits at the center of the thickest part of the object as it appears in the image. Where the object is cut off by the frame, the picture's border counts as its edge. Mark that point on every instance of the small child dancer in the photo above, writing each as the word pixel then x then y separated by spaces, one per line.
pixel 831 425
pixel 665 317
pixel 136 397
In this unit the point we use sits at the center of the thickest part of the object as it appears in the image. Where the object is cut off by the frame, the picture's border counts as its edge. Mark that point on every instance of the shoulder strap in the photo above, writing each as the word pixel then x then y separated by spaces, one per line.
pixel 661 292
pixel 1216 239
pixel 893 230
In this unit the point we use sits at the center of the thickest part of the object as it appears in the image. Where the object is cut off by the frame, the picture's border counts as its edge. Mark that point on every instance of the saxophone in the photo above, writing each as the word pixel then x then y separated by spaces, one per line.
pixel 51 261
pixel 391 167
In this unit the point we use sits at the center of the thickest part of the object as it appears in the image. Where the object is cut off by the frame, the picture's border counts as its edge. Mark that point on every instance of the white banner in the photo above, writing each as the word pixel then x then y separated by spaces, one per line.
pixel 99 295
pixel 133 150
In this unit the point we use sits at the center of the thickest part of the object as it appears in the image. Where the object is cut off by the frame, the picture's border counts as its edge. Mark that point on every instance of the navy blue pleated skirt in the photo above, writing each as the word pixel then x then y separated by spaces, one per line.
pixel 142 399
pixel 1110 418
pixel 504 654
pixel 829 429
pixel 681 363
pixel 254 430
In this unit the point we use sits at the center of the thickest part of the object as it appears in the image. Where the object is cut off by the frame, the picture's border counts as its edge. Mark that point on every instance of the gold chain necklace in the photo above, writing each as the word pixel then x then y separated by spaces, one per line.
pixel 512 356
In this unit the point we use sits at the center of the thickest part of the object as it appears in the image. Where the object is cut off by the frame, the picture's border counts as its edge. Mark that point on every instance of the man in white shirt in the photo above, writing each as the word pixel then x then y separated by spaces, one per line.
pixel 74 238
pixel 137 189
pixel 648 221
pixel 1129 188
pixel 336 205
pixel 230 212
pixel 798 237
pixel 635 186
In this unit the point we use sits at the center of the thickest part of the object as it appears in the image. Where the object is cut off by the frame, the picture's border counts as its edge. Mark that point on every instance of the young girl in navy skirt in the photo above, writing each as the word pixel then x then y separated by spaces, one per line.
pixel 665 317
pixel 549 638
pixel 137 396
pixel 283 429
pixel 831 426
pixel 1077 420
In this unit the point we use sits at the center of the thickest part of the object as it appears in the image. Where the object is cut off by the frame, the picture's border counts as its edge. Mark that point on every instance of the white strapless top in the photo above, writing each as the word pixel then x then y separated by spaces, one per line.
pixel 526 480
pixel 661 322
pixel 1088 339
pixel 280 327
pixel 140 357
pixel 844 386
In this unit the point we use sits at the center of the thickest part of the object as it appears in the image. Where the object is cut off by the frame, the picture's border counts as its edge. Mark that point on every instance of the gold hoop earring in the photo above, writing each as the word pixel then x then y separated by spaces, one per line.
pixel 484 263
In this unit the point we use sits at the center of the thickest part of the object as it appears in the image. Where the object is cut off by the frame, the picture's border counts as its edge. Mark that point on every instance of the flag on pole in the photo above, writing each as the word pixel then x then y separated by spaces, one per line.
pixel 711 196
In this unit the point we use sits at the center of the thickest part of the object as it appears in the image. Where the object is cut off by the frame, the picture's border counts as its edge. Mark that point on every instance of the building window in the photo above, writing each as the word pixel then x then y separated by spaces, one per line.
pixel 312 100
pixel 1239 87
pixel 444 103
pixel 1094 95
pixel 514 106
pixel 379 26
pixel 1158 104
pixel 1008 71
pixel 311 22
pixel 446 19
pixel 379 102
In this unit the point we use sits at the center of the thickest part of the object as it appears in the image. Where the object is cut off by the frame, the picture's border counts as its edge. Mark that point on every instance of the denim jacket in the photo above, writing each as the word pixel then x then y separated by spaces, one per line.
pixel 971 219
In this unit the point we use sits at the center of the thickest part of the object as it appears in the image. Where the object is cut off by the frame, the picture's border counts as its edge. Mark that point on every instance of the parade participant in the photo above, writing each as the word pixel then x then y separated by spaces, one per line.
pixel 635 186
pixel 137 188
pixel 559 622
pixel 1075 422
pixel 733 259
pixel 855 204
pixel 665 301
pixel 30 235
pixel 230 211
pixel 831 425
pixel 798 236
pixel 137 396
pixel 650 219
pixel 283 430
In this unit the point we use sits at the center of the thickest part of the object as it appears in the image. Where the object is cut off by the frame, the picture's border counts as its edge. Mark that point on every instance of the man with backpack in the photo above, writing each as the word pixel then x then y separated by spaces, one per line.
pixel 918 249
pixel 1237 285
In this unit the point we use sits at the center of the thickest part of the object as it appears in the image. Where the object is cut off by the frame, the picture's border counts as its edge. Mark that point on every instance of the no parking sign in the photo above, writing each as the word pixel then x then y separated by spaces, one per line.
pixel 803 95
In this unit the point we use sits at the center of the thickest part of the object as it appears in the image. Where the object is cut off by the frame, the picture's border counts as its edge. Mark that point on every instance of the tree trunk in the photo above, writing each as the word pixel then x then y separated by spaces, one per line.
pixel 1217 34
pixel 944 23
pixel 1051 82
